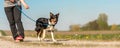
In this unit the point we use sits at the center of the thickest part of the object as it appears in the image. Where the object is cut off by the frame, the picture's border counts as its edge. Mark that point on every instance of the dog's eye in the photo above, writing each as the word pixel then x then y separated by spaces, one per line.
pixel 55 21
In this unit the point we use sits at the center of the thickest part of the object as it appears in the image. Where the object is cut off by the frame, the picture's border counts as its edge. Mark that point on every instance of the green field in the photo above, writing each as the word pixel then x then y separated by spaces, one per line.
pixel 84 35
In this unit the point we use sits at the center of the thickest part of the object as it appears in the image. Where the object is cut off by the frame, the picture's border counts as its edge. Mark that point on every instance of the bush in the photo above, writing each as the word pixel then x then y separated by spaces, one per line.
pixel 3 33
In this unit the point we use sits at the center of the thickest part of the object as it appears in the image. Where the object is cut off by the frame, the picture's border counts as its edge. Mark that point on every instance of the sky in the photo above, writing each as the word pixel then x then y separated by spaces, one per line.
pixel 71 12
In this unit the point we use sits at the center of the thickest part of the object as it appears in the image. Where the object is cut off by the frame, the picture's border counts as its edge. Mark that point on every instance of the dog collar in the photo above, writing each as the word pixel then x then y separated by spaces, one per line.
pixel 50 24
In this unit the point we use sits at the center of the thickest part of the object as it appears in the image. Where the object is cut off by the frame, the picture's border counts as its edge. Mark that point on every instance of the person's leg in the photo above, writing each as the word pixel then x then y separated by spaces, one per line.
pixel 17 16
pixel 10 17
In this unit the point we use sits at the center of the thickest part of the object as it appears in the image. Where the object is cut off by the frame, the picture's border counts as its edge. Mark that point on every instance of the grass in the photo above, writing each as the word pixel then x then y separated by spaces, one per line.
pixel 85 35
pixel 105 37
pixel 89 37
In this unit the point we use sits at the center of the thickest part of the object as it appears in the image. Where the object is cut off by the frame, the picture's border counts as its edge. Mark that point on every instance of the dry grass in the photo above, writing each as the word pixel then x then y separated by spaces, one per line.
pixel 83 35
pixel 31 32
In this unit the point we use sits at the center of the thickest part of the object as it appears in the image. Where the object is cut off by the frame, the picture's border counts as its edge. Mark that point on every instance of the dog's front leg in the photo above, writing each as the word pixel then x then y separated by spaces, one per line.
pixel 38 35
pixel 43 36
pixel 52 35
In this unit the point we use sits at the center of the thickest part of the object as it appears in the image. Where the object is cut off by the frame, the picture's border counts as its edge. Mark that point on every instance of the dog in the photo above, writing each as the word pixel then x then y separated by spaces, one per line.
pixel 46 24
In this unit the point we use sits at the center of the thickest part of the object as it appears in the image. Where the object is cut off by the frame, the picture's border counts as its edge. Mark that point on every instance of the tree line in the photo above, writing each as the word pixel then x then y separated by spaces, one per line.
pixel 101 23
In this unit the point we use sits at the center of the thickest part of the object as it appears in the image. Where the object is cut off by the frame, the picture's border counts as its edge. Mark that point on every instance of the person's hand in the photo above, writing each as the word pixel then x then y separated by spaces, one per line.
pixel 26 6
pixel 12 0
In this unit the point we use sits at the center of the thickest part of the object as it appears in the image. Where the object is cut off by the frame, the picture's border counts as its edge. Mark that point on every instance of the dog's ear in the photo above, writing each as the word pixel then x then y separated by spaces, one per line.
pixel 57 15
pixel 51 14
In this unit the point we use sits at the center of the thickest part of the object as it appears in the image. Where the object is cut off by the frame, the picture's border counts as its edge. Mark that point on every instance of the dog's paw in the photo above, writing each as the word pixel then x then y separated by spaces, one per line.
pixel 54 40
pixel 39 38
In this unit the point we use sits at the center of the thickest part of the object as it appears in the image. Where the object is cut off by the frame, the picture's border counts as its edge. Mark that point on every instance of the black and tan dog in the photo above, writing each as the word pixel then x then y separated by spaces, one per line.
pixel 45 24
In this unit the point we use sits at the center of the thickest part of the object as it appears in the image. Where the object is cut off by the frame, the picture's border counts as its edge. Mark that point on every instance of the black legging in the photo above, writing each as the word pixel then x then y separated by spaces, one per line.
pixel 14 17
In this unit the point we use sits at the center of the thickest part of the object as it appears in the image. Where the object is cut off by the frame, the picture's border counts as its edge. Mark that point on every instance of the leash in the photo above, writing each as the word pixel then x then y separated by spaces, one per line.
pixel 24 13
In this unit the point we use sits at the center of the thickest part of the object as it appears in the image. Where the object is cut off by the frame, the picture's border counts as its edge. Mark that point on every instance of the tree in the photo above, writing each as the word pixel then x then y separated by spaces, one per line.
pixel 102 21
pixel 118 27
pixel 91 26
pixel 75 27
pixel 114 27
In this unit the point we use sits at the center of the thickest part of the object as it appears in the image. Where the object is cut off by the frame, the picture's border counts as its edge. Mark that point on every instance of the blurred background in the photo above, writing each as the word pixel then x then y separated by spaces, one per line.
pixel 85 14
pixel 90 16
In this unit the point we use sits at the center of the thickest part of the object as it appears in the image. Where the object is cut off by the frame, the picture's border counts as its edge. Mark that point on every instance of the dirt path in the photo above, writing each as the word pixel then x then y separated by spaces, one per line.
pixel 29 42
